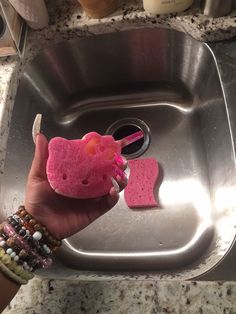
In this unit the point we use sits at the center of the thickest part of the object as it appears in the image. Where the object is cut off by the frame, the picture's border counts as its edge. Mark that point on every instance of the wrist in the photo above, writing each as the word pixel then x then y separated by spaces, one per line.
pixel 8 291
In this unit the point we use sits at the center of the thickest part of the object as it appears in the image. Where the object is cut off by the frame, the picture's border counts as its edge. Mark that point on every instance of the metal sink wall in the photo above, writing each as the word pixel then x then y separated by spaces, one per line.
pixel 169 83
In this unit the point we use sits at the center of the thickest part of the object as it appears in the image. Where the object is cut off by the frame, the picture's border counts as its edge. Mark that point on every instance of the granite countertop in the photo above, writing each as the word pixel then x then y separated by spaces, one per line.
pixel 58 296
pixel 124 297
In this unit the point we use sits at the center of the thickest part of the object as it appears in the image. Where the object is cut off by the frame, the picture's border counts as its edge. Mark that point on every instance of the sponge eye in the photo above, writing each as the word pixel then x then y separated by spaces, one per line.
pixel 85 182
pixel 91 146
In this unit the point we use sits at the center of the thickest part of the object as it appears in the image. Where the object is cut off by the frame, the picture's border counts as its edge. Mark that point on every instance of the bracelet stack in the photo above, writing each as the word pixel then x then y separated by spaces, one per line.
pixel 25 245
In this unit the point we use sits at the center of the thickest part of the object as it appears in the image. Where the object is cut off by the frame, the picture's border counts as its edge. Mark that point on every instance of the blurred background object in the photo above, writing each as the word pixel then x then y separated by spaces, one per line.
pixel 100 8
pixel 217 8
pixel 12 30
pixel 166 7
pixel 34 12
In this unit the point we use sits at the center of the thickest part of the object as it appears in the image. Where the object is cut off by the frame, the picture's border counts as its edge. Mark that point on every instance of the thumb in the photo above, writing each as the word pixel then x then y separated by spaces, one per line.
pixel 38 167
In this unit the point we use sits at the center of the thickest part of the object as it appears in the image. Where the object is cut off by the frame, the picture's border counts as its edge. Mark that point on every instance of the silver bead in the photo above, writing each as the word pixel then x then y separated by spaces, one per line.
pixel 27 231
pixel 46 249
pixel 9 251
pixel 16 258
pixel 13 254
pixel 37 235
pixel 25 265
pixel 2 243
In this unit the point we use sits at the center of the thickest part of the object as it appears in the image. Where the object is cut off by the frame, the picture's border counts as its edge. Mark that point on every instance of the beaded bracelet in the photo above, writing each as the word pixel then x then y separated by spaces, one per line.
pixel 14 239
pixel 37 230
pixel 25 245
pixel 12 275
pixel 16 254
pixel 14 268
pixel 33 240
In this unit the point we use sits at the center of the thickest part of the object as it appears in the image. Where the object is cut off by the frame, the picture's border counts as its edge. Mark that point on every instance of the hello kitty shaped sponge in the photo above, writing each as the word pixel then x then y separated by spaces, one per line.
pixel 83 168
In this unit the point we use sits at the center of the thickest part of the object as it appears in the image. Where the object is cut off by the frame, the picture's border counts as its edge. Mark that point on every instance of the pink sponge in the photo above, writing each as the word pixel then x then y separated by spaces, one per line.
pixel 82 168
pixel 142 179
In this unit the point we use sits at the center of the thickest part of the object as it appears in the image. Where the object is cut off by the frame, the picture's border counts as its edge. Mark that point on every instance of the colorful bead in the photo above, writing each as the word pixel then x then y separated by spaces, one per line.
pixel 46 249
pixel 37 227
pixel 18 270
pixel 23 254
pixel 32 222
pixel 37 235
pixel 13 223
pixel 11 242
pixel 9 251
pixel 22 232
pixel 25 265
pixel 17 227
pixel 2 243
pixel 47 263
pixel 27 217
pixel 16 258
pixel 13 254
pixel 12 266
pixel 6 259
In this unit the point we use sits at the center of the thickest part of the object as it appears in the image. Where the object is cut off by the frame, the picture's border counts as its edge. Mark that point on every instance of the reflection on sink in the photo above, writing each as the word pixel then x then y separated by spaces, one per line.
pixel 167 84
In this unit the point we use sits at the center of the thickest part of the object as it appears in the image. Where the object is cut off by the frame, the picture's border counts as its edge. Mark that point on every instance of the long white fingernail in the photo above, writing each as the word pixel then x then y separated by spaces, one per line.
pixel 115 184
pixel 36 126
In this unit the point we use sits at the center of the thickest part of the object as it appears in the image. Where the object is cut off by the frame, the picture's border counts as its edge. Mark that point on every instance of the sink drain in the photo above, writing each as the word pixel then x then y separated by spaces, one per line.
pixel 128 126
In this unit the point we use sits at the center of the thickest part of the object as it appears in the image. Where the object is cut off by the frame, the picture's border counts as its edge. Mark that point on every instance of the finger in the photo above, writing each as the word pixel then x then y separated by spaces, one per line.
pixel 125 162
pixel 114 195
pixel 115 185
pixel 101 206
pixel 122 181
pixel 120 161
pixel 109 201
pixel 38 167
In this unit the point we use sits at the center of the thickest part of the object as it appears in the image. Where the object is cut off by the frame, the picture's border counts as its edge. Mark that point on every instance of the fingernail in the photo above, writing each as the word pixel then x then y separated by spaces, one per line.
pixel 36 126
pixel 119 172
pixel 123 179
pixel 119 160
pixel 115 185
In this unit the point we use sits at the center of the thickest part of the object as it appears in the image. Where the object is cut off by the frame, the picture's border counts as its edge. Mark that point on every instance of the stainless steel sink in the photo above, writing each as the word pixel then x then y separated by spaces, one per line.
pixel 170 86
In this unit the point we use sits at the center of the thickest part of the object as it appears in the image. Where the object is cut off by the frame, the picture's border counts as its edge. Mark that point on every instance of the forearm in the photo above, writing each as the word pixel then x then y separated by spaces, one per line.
pixel 8 290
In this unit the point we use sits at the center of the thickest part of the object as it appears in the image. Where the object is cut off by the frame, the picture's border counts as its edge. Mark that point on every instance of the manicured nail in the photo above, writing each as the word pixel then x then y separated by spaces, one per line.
pixel 119 160
pixel 115 185
pixel 36 127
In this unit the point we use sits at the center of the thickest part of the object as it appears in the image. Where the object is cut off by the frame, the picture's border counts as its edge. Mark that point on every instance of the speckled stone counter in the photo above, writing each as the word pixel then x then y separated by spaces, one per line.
pixel 57 296
pixel 124 297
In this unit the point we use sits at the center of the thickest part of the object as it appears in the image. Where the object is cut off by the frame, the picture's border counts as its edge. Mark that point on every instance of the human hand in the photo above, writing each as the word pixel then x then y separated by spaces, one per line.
pixel 61 215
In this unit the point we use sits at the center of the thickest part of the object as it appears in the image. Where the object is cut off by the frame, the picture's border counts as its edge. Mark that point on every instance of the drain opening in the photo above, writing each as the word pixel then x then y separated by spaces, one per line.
pixel 125 131
pixel 126 127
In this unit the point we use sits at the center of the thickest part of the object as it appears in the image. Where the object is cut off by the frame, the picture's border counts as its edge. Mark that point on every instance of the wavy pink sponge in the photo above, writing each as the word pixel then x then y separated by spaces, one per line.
pixel 139 192
pixel 82 168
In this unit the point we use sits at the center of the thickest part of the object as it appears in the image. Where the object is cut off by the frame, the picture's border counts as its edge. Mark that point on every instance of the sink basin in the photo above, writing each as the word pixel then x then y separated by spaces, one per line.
pixel 168 85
